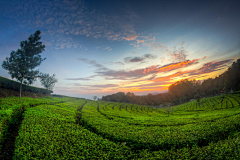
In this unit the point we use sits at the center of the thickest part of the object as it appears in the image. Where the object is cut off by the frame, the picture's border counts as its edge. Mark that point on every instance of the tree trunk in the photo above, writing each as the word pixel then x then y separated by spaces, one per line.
pixel 20 92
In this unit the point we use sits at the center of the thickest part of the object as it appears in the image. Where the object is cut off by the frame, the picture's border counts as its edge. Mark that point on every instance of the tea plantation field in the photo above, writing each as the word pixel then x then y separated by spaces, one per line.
pixel 74 128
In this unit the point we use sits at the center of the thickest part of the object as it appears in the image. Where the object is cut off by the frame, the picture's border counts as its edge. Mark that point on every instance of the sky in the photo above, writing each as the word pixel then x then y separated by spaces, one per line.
pixel 98 48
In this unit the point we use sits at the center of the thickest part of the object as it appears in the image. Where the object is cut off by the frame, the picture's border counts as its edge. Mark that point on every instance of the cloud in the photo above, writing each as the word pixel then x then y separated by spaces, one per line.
pixel 148 78
pixel 82 79
pixel 222 16
pixel 139 59
pixel 150 56
pixel 134 52
pixel 119 63
pixel 204 57
pixel 130 37
pixel 138 41
pixel 96 86
pixel 133 59
pixel 150 85
pixel 219 18
pixel 154 45
pixel 178 54
pixel 183 43
pixel 134 44
pixel 139 73
pixel 64 19
pixel 102 85
pixel 211 67
pixel 49 20
pixel 172 76
pixel 93 63
pixel 226 8
pixel 206 68
pixel 162 60
pixel 108 48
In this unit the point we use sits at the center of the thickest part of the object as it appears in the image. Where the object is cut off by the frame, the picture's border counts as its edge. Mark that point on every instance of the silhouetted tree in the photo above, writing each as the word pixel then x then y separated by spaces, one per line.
pixel 95 97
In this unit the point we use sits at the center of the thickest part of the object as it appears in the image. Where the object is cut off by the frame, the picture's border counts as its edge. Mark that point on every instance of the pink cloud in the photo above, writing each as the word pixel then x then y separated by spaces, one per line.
pixel 130 37
pixel 138 41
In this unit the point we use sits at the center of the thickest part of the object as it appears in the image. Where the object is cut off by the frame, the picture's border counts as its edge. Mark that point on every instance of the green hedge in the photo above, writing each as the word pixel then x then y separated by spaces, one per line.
pixel 13 85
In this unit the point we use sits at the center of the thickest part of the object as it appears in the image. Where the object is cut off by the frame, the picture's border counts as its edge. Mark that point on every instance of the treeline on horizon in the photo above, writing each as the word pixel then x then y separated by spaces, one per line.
pixel 185 90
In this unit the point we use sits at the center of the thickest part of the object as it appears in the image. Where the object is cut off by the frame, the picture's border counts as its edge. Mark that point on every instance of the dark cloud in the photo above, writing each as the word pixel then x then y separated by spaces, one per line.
pixel 133 59
pixel 139 59
pixel 93 63
pixel 81 79
pixel 150 56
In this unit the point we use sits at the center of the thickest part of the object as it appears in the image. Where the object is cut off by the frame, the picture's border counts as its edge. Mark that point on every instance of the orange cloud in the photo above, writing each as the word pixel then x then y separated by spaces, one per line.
pixel 167 78
pixel 174 66
pixel 138 41
pixel 130 37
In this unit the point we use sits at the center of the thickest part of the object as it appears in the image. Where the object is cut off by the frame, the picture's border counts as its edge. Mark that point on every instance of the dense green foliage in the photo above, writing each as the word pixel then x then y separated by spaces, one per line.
pixel 78 129
pixel 11 108
pixel 13 85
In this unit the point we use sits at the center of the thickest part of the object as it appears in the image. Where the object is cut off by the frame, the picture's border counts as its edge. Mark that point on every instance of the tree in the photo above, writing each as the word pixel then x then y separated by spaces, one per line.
pixel 48 81
pixel 21 63
pixel 95 97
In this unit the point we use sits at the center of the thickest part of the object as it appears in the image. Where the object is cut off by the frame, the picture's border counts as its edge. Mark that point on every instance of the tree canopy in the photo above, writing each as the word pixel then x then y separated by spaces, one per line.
pixel 21 63
pixel 48 81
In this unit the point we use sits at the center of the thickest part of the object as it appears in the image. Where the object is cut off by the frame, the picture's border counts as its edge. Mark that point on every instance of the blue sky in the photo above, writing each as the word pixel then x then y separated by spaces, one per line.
pixel 104 47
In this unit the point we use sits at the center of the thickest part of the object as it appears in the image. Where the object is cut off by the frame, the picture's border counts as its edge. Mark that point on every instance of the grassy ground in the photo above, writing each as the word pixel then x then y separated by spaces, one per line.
pixel 71 128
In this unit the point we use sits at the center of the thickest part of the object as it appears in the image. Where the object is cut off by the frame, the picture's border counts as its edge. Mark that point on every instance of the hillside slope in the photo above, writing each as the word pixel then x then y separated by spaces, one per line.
pixel 11 88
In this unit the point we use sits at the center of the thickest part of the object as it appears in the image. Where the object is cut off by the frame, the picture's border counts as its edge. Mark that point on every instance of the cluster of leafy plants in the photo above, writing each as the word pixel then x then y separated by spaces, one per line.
pixel 112 130
pixel 50 132
pixel 11 109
